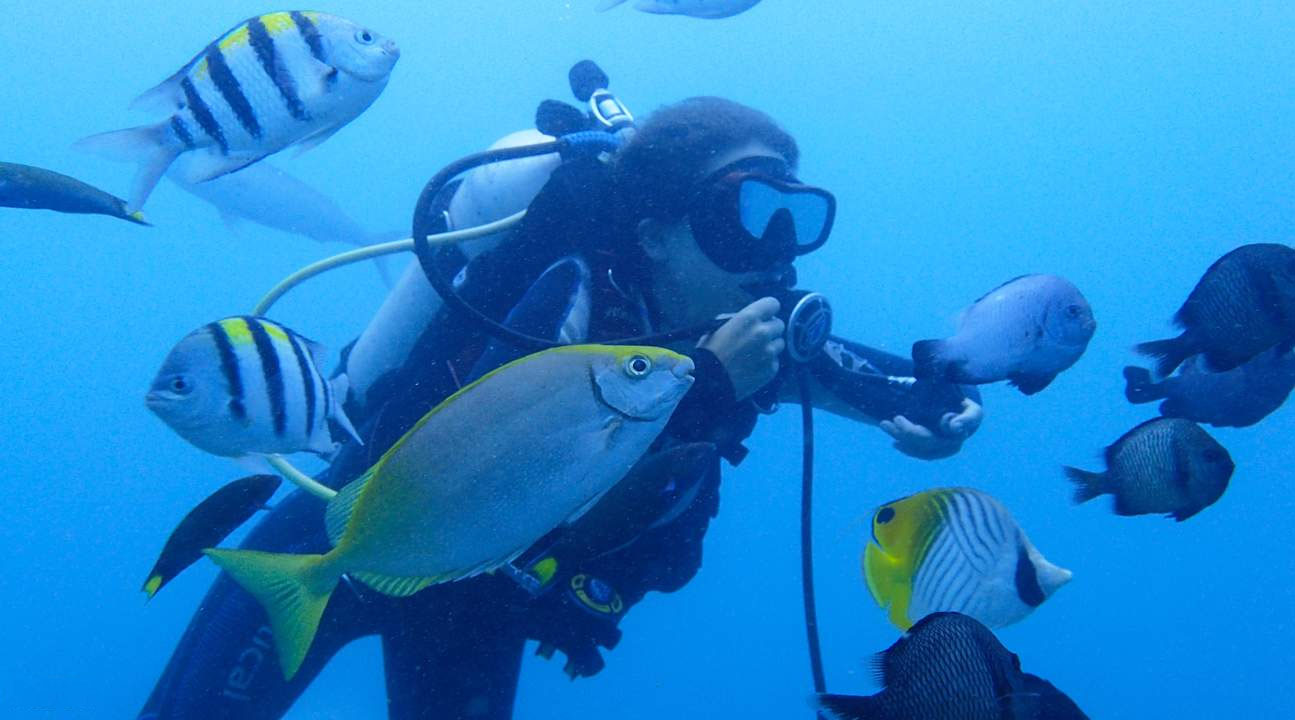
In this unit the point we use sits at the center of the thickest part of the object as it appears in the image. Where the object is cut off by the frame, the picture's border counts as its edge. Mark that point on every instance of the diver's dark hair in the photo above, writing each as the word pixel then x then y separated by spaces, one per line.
pixel 656 171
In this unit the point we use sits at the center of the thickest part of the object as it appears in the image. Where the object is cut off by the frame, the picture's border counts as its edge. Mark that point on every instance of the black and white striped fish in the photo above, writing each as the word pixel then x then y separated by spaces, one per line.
pixel 276 80
pixel 246 386
pixel 959 550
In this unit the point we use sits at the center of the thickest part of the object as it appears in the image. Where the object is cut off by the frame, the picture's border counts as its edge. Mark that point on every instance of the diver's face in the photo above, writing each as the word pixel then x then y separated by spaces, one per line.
pixel 687 282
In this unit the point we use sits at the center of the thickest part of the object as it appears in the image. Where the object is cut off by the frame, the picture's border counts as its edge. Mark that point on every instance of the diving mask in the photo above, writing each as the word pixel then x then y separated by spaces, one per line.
pixel 754 215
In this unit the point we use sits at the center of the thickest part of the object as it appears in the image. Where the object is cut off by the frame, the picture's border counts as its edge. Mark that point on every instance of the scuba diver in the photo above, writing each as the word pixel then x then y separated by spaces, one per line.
pixel 698 216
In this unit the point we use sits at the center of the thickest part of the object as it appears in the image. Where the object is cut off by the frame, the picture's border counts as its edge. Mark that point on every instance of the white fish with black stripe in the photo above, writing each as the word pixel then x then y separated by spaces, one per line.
pixel 248 386
pixel 275 80
pixel 955 550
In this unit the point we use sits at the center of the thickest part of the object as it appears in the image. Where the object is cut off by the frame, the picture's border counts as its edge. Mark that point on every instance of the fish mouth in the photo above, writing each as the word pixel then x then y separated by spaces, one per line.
pixel 155 399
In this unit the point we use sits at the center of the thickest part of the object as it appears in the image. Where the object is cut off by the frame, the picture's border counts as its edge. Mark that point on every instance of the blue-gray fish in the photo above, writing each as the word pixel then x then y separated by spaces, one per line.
pixel 247 386
pixel 1026 330
pixel 947 667
pixel 268 196
pixel 1238 397
pixel 33 188
pixel 708 9
pixel 1166 465
pixel 1243 305
pixel 276 80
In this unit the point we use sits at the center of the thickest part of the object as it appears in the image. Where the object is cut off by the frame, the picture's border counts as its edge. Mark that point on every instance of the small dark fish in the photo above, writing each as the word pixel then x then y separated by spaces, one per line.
pixel 1242 306
pixel 208 524
pixel 659 483
pixel 1026 330
pixel 24 186
pixel 1165 465
pixel 1236 398
pixel 947 667
pixel 1053 704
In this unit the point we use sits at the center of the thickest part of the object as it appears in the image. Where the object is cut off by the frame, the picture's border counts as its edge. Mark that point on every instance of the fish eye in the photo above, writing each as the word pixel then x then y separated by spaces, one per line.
pixel 179 385
pixel 638 366
pixel 364 37
pixel 1073 311
pixel 885 515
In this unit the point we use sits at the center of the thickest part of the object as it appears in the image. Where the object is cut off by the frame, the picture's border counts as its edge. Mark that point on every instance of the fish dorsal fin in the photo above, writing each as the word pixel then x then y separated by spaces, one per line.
pixel 164 97
pixel 339 510
pixel 1000 286
pixel 394 586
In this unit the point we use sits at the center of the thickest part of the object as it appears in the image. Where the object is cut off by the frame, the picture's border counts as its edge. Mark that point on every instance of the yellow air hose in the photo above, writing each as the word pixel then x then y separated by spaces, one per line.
pixel 280 463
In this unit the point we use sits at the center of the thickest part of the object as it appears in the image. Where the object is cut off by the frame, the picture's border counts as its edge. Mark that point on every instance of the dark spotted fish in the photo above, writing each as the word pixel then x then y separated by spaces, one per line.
pixel 1165 465
pixel 1238 397
pixel 1242 306
pixel 947 667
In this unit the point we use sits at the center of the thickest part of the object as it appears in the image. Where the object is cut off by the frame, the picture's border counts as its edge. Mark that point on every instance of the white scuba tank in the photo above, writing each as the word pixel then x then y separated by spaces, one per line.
pixel 488 193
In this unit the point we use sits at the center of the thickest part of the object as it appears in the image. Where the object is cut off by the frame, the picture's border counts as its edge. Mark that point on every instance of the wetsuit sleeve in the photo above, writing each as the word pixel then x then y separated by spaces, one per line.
pixel 863 383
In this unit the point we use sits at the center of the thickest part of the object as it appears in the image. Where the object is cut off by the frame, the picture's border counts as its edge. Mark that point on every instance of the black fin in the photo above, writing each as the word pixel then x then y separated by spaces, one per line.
pixel 1138 386
pixel 1027 580
pixel 1054 704
pixel 927 362
pixel 1169 354
pixel 1089 484
pixel 847 707
pixel 1030 384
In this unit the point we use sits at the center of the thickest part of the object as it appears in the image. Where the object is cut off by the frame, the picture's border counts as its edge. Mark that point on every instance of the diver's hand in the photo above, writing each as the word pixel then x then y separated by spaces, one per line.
pixel 920 442
pixel 749 346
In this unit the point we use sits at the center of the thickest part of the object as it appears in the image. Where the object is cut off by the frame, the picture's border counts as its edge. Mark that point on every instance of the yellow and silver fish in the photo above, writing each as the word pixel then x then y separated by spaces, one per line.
pixel 956 550
pixel 476 481
pixel 276 80
pixel 247 386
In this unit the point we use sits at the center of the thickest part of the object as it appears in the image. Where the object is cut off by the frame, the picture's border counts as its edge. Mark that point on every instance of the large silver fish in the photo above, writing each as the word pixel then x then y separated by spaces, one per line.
pixel 476 481
pixel 708 9
pixel 276 80
pixel 268 196
pixel 1026 330
pixel 247 386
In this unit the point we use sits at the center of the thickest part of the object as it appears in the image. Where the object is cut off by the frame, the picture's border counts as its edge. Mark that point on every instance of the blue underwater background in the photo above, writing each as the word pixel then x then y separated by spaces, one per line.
pixel 1122 145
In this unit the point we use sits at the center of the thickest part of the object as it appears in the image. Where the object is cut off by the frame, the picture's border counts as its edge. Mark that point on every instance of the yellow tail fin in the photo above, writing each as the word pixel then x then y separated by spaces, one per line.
pixel 294 589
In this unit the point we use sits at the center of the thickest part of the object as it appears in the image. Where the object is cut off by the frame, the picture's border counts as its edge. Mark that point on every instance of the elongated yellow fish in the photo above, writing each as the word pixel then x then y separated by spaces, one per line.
pixel 476 481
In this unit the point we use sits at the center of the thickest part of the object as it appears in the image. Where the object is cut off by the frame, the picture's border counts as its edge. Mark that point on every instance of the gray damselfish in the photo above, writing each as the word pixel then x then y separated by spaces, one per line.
pixel 947 667
pixel 33 188
pixel 708 9
pixel 1166 465
pixel 1243 305
pixel 1026 330
pixel 1238 397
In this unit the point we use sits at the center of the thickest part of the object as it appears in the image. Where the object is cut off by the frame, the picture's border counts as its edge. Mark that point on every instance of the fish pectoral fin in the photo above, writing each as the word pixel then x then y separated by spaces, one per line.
pixel 1030 384
pixel 204 166
pixel 313 141
pixel 394 586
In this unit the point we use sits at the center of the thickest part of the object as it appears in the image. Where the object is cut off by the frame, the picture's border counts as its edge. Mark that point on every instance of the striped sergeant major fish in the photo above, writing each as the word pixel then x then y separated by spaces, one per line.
pixel 248 386
pixel 956 550
pixel 276 80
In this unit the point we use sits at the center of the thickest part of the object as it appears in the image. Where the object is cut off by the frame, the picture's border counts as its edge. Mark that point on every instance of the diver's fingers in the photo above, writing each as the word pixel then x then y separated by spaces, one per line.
pixel 777 346
pixel 910 429
pixel 965 422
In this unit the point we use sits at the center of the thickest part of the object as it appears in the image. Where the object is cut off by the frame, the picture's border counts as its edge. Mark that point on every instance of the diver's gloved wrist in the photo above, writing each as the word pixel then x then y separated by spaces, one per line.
pixel 712 384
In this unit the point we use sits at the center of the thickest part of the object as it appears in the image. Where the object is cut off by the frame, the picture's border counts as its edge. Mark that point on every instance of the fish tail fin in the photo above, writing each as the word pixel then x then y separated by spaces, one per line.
pixel 137 217
pixel 293 589
pixel 929 359
pixel 1138 386
pixel 1088 484
pixel 1169 354
pixel 152 585
pixel 846 707
pixel 152 147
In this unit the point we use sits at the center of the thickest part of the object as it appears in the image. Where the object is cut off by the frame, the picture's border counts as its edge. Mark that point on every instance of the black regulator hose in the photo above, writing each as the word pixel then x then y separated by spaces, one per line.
pixel 424 225
pixel 807 528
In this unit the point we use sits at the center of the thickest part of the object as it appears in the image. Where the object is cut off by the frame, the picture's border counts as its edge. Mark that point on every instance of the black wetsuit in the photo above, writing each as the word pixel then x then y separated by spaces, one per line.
pixel 225 665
